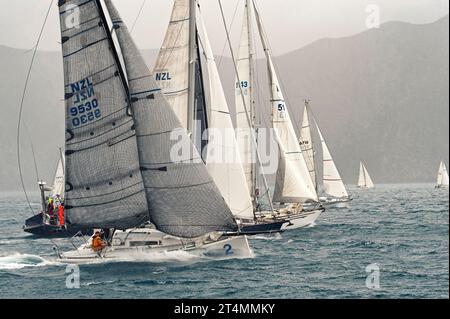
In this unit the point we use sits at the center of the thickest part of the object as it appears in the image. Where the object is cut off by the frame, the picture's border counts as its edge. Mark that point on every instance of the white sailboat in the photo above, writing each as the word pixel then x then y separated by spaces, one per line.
pixel 293 182
pixel 364 180
pixel 120 172
pixel 333 185
pixel 442 177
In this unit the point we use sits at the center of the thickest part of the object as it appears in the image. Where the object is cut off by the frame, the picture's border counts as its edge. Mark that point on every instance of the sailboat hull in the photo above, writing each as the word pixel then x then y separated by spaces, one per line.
pixel 36 226
pixel 302 219
pixel 336 202
pixel 145 244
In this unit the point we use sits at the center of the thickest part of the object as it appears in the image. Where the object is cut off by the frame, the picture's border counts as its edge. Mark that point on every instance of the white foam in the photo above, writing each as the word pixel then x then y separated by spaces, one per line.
pixel 276 236
pixel 19 261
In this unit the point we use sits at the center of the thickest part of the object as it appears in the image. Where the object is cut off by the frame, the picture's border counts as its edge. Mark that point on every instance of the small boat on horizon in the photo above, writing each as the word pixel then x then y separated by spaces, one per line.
pixel 442 177
pixel 364 180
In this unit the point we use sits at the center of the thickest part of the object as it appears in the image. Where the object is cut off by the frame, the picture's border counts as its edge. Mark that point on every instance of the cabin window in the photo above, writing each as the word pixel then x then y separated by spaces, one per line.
pixel 144 243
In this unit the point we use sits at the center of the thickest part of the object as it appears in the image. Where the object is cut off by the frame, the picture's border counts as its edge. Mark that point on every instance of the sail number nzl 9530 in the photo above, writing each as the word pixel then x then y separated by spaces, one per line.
pixel 85 107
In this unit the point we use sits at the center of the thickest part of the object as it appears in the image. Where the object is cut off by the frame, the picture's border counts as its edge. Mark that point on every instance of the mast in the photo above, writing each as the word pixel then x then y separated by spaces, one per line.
pixel 254 169
pixel 192 67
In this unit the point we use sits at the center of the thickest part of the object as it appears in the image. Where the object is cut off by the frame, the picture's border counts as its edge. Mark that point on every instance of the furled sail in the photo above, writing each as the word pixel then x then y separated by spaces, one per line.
pixel 307 146
pixel 178 70
pixel 182 198
pixel 104 186
pixel 223 159
pixel 243 127
pixel 59 181
pixel 293 182
pixel 332 181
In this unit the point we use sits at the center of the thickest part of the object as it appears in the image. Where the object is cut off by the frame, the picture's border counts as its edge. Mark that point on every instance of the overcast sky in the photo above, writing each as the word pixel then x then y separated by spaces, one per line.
pixel 290 24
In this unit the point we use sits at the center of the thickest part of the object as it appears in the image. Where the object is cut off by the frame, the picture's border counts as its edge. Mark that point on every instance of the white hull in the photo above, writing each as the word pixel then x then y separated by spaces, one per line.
pixel 301 220
pixel 144 244
pixel 336 202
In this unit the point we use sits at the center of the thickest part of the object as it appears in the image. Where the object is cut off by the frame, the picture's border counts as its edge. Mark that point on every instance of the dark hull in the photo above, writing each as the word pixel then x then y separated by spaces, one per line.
pixel 264 228
pixel 38 228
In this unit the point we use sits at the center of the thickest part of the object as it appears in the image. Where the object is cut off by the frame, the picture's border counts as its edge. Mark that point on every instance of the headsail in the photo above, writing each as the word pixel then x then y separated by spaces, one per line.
pixel 293 182
pixel 332 181
pixel 182 198
pixel 223 158
pixel 104 186
pixel 307 145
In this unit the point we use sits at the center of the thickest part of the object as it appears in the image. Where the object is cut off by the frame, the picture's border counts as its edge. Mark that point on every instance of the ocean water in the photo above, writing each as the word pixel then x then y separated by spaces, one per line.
pixel 403 229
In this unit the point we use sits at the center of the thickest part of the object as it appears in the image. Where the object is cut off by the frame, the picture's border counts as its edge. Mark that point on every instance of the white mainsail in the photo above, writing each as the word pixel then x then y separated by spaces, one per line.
pixel 245 72
pixel 332 181
pixel 59 181
pixel 307 146
pixel 442 179
pixel 223 159
pixel 293 181
pixel 364 180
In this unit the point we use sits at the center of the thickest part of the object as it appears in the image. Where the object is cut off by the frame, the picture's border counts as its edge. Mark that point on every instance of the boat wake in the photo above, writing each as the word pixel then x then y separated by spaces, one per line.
pixel 19 261
pixel 276 236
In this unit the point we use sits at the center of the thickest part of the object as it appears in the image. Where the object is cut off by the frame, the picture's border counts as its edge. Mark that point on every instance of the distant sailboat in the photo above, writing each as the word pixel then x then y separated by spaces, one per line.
pixel 364 180
pixel 120 170
pixel 332 181
pixel 442 177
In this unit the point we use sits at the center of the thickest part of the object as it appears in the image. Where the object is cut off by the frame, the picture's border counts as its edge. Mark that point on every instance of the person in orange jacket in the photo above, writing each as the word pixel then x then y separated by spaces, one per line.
pixel 61 215
pixel 97 242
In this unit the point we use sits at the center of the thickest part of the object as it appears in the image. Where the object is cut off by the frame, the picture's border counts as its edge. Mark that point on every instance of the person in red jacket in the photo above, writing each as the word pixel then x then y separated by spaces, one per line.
pixel 61 215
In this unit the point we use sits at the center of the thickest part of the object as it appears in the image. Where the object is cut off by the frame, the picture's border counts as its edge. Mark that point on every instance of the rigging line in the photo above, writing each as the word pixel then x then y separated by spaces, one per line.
pixel 138 15
pixel 32 151
pixel 22 103
pixel 231 25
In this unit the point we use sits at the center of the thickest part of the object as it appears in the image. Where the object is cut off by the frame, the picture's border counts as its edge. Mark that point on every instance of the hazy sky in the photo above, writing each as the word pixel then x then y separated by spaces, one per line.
pixel 290 24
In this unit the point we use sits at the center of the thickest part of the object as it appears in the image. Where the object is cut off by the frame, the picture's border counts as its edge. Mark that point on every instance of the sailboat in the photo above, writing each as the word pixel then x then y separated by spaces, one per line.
pixel 185 78
pixel 45 225
pixel 442 177
pixel 121 168
pixel 364 180
pixel 333 187
pixel 293 185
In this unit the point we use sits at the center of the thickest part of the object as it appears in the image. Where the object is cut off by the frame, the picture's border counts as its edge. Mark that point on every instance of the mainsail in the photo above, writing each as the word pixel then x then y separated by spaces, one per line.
pixel 104 186
pixel 364 180
pixel 442 179
pixel 223 159
pixel 293 182
pixel 332 181
pixel 307 145
pixel 182 198
pixel 178 70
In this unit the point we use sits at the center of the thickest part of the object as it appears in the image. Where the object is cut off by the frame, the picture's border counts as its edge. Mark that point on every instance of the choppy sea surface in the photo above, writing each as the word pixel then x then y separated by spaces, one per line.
pixel 401 229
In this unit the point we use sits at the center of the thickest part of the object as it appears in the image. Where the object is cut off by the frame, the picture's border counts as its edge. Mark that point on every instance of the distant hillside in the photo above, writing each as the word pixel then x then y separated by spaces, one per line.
pixel 381 96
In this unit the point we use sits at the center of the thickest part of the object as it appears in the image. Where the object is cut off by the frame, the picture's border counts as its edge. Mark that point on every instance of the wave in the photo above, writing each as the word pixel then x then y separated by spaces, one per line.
pixel 19 261
pixel 276 236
